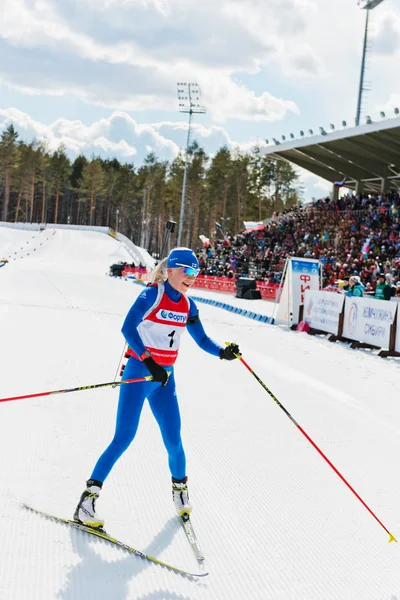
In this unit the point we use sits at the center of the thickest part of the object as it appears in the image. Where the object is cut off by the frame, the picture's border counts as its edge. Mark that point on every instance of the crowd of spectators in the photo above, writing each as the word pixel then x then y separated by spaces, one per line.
pixel 357 235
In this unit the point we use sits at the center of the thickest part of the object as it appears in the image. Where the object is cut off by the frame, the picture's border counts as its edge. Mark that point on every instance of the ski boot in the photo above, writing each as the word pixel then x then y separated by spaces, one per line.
pixel 85 512
pixel 180 496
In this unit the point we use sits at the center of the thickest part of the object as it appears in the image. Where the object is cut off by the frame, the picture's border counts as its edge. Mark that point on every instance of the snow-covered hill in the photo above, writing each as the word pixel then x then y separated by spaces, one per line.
pixel 275 522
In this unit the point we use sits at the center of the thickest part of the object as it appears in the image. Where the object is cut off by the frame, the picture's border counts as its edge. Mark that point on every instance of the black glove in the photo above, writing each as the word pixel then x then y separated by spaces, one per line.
pixel 157 371
pixel 229 352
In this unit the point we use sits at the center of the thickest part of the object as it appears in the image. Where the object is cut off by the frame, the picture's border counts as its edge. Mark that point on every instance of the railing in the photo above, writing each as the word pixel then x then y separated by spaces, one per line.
pixel 268 291
pixel 140 272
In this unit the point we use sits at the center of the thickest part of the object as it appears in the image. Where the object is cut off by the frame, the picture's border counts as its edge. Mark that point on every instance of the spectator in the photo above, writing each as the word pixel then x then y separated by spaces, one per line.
pixel 380 288
pixel 355 235
pixel 389 290
pixel 356 288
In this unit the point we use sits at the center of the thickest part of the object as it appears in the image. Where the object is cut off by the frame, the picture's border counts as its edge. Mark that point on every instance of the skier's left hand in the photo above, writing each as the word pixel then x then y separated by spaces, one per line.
pixel 229 352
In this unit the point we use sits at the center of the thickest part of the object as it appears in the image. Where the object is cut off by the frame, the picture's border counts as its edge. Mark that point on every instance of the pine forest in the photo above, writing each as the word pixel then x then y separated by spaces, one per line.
pixel 39 186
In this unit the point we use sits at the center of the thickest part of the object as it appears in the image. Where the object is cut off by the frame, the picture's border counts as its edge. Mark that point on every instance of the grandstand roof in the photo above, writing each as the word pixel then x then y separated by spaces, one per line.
pixel 367 154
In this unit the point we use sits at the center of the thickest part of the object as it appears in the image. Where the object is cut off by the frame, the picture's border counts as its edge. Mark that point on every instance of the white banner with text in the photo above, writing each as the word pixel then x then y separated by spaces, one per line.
pixel 368 320
pixel 322 310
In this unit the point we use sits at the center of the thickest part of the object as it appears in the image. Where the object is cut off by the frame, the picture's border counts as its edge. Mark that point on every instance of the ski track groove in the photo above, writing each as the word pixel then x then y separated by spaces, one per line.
pixel 274 521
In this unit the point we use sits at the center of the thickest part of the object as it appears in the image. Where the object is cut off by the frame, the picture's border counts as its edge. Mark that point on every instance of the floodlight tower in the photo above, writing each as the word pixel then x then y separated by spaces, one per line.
pixel 189 96
pixel 365 5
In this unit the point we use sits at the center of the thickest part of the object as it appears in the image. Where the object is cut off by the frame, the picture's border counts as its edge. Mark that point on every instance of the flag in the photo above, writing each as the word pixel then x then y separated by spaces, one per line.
pixel 218 226
pixel 205 240
pixel 366 247
pixel 339 184
pixel 253 225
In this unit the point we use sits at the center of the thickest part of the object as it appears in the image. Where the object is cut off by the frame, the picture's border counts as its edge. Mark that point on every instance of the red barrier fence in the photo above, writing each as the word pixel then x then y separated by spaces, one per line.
pixel 133 271
pixel 268 291
pixel 216 284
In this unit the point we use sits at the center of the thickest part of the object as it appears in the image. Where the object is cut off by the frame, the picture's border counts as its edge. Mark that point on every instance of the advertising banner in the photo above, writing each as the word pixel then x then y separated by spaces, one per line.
pixel 322 310
pixel 300 275
pixel 368 320
pixel 305 276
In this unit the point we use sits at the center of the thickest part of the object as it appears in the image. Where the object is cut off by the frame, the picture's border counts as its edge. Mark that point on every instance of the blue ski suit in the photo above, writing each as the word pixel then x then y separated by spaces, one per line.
pixel 162 400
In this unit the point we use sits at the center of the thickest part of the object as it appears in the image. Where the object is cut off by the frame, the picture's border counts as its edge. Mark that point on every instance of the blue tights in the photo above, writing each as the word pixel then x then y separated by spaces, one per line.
pixel 164 406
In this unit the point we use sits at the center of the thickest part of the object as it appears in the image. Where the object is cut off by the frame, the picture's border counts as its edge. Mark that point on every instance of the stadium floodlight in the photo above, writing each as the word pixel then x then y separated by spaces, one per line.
pixel 369 4
pixel 365 5
pixel 189 95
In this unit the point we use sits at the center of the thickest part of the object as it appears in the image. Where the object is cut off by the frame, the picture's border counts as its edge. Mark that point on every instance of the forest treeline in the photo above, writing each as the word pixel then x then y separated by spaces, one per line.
pixel 40 186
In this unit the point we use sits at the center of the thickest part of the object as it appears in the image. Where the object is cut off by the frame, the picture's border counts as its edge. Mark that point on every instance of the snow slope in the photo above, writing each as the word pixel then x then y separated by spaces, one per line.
pixel 274 520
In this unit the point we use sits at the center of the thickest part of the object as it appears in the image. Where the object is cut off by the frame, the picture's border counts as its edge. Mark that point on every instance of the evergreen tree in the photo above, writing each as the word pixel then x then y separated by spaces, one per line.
pixel 240 189
pixel 262 172
pixel 91 187
pixel 8 162
pixel 234 186
pixel 106 212
pixel 44 180
pixel 218 182
pixel 285 179
pixel 22 181
pixel 153 177
pixel 195 192
pixel 125 196
pixel 74 208
pixel 60 168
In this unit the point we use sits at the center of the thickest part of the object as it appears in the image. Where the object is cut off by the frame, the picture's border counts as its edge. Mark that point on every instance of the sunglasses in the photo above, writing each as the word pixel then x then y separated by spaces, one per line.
pixel 190 271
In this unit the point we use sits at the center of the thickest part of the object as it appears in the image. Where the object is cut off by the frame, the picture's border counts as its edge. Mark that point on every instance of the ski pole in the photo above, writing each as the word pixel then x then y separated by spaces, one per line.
pixel 78 389
pixel 275 399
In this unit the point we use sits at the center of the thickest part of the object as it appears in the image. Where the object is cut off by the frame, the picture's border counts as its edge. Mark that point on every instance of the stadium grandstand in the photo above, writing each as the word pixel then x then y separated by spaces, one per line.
pixel 356 234
pixel 367 157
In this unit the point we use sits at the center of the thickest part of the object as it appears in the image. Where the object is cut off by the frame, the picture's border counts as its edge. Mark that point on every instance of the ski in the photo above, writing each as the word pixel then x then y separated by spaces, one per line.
pixel 101 533
pixel 192 539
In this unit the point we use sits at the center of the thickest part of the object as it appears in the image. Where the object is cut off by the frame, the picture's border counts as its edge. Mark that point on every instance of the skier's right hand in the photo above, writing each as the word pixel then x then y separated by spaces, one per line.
pixel 160 375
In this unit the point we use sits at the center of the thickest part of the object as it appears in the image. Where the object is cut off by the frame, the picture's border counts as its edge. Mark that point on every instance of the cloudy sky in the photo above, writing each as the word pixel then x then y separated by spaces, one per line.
pixel 101 76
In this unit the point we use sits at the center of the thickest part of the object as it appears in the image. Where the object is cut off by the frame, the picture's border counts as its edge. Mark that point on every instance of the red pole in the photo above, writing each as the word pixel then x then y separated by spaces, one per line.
pixel 391 536
pixel 77 389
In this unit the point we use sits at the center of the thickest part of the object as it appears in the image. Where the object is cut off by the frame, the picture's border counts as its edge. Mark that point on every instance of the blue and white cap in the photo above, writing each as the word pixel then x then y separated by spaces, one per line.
pixel 182 257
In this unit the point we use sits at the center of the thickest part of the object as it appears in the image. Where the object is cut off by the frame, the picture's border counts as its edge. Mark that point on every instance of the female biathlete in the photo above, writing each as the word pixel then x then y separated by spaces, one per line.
pixel 152 329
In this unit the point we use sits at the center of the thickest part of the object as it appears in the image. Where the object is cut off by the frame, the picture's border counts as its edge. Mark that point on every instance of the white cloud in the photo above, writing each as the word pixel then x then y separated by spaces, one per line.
pixel 61 49
pixel 76 137
pixel 385 33
pixel 258 62
pixel 315 186
pixel 120 135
